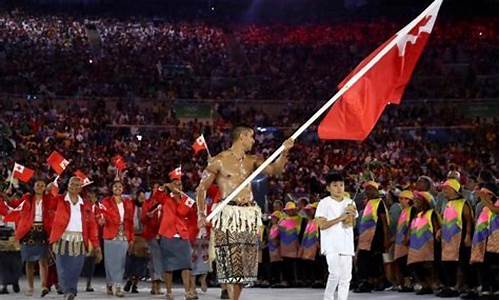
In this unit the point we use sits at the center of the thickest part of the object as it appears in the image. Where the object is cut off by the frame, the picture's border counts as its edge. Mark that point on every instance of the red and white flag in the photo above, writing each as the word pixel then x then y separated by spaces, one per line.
pixel 119 162
pixel 175 174
pixel 199 144
pixel 380 79
pixel 57 162
pixel 22 173
pixel 85 180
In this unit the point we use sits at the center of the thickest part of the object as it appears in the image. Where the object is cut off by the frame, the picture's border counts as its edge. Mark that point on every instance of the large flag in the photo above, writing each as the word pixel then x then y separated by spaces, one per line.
pixel 22 173
pixel 176 174
pixel 383 77
pixel 57 162
pixel 199 144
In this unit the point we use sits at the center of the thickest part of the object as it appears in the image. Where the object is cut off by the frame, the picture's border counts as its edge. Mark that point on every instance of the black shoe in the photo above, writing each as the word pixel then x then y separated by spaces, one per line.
pixel 224 294
pixel 447 293
pixel 89 289
pixel 469 295
pixel 45 292
pixel 60 292
pixel 134 289
pixel 4 291
pixel 424 291
pixel 16 288
pixel 127 286
pixel 363 288
pixel 406 289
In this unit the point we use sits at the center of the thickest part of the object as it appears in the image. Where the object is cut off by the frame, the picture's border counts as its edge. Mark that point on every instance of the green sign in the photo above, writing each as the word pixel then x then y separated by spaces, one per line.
pixel 192 110
pixel 483 110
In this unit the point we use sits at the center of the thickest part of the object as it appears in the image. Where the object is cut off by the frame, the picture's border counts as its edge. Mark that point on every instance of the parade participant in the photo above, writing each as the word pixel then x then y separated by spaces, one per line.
pixel 151 218
pixel 424 251
pixel 289 229
pixel 484 252
pixel 309 246
pixel 456 239
pixel 174 236
pixel 373 239
pixel 335 216
pixel 137 259
pixel 236 226
pixel 73 236
pixel 90 260
pixel 274 250
pixel 403 274
pixel 10 257
pixel 32 231
pixel 116 216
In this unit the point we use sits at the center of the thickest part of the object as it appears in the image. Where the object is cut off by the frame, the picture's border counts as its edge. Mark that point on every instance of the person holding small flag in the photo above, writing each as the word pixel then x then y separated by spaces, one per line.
pixel 116 216
pixel 74 234
pixel 151 218
pixel 173 231
pixel 36 212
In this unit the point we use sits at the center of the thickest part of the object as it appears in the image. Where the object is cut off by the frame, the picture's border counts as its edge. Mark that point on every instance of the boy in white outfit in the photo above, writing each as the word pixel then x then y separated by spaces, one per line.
pixel 335 216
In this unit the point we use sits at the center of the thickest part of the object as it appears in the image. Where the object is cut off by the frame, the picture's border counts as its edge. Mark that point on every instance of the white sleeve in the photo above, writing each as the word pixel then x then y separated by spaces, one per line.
pixel 320 211
pixel 354 203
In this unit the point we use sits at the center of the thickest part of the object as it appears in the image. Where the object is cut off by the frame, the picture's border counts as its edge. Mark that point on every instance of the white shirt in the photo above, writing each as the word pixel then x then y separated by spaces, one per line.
pixel 38 211
pixel 75 218
pixel 121 211
pixel 336 239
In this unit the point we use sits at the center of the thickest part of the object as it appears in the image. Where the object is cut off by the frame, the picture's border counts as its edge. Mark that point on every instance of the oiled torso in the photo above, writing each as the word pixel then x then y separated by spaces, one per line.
pixel 233 170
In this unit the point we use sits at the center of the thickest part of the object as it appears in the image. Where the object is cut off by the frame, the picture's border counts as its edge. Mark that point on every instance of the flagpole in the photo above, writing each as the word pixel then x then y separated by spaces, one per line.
pixel 206 146
pixel 327 105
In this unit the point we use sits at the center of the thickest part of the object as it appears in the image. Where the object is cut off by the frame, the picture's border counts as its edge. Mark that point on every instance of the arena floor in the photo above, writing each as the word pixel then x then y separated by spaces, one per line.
pixel 213 293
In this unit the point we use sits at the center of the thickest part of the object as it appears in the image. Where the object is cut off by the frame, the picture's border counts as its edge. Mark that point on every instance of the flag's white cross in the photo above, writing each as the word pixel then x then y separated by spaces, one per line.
pixel 63 164
pixel 403 39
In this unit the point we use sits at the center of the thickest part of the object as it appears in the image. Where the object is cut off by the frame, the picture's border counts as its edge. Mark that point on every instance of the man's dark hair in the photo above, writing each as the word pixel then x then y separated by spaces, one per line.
pixel 237 131
pixel 333 177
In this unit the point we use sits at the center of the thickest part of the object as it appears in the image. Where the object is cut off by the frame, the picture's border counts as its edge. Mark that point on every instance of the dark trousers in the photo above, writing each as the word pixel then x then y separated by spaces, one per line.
pixel 452 268
pixel 276 271
pixel 369 265
pixel 289 269
pixel 425 273
pixel 488 272
pixel 403 268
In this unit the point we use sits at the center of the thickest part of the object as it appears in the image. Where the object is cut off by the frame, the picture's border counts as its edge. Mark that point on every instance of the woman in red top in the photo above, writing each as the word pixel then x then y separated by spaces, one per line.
pixel 174 236
pixel 117 218
pixel 32 231
pixel 73 236
pixel 150 218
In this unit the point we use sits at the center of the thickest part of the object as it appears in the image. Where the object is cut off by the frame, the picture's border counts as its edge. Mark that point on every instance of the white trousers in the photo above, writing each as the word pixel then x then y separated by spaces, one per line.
pixel 339 269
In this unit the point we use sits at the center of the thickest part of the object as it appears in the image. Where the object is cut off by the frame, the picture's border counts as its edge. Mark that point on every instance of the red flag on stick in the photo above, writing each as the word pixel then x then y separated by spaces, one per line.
pixel 119 162
pixel 22 173
pixel 57 162
pixel 390 68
